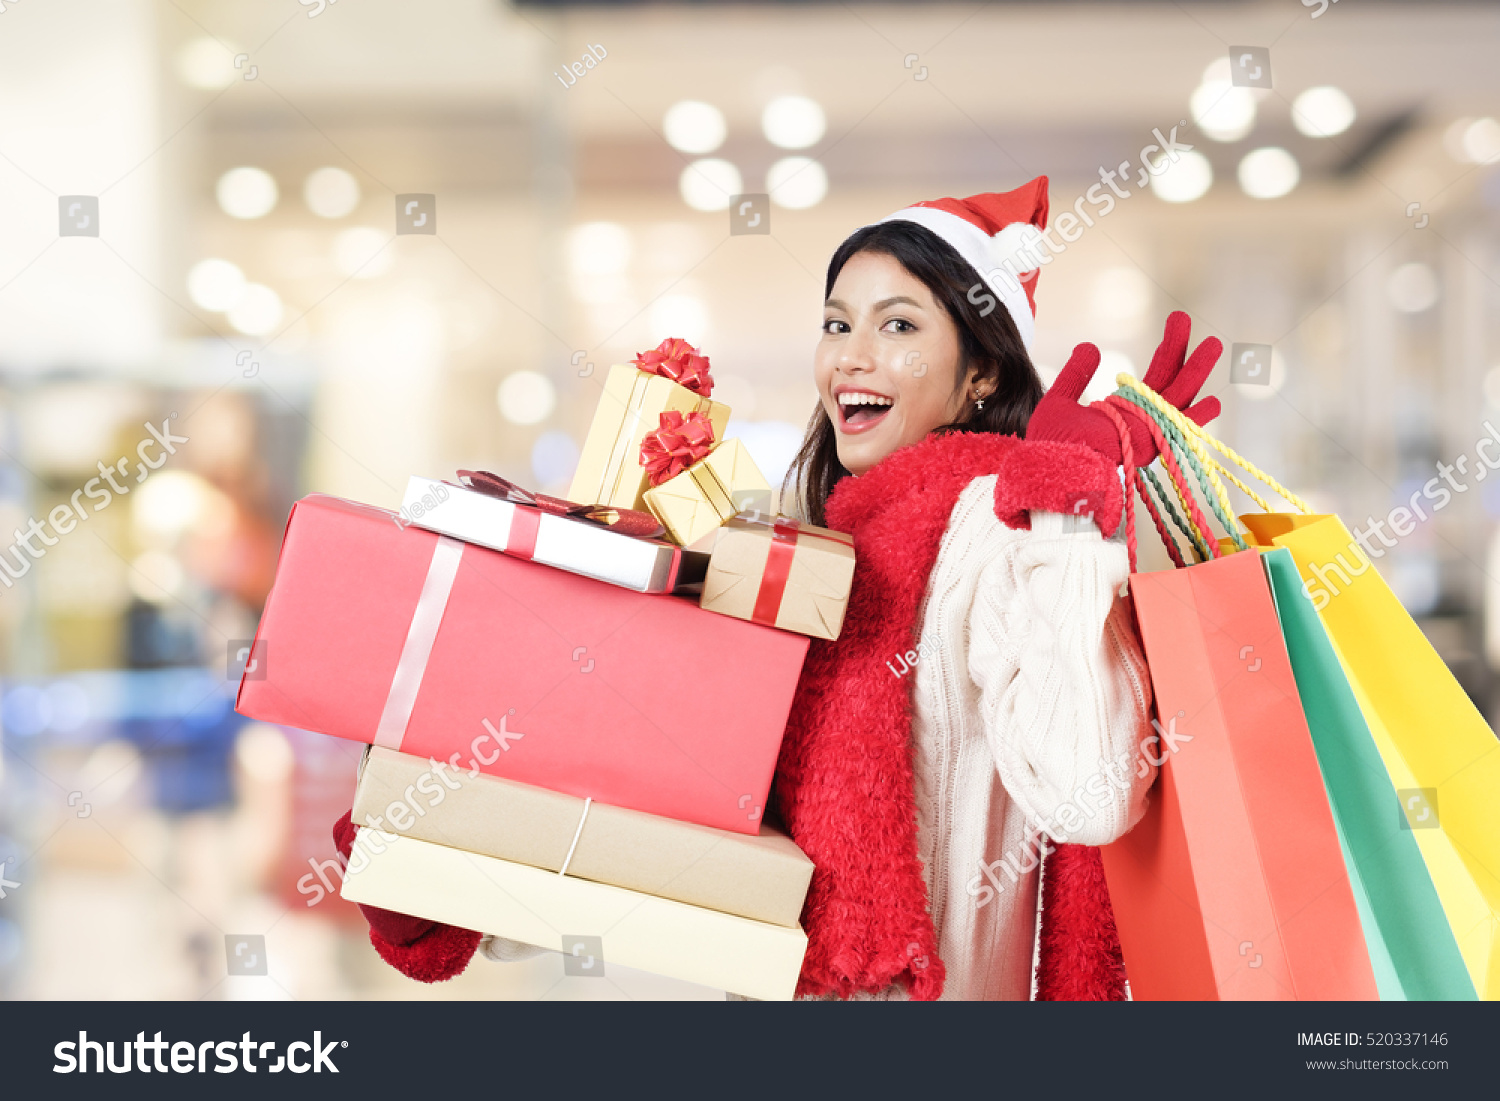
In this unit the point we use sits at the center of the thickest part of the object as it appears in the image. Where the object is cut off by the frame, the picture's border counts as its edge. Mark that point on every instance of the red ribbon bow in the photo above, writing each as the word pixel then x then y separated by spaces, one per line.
pixel 676 359
pixel 679 443
pixel 626 521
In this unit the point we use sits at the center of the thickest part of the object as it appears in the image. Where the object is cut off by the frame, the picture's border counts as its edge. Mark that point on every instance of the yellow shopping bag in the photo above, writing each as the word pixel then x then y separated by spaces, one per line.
pixel 1442 757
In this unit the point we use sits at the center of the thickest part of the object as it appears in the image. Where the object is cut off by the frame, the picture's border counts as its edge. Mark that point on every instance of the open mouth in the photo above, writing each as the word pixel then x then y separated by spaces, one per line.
pixel 861 410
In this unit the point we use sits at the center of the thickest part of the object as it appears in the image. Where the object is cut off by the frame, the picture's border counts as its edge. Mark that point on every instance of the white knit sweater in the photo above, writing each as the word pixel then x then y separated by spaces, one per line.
pixel 1030 703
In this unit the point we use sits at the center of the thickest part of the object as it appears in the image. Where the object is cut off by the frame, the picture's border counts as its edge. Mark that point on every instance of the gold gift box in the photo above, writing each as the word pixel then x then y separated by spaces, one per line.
pixel 700 499
pixel 809 596
pixel 609 469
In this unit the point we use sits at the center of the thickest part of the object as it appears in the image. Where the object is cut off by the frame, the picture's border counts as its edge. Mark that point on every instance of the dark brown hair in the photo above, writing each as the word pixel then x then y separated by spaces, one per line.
pixel 988 339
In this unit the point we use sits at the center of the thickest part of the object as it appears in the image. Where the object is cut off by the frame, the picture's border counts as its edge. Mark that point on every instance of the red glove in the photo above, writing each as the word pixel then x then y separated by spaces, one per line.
pixel 1058 416
pixel 427 951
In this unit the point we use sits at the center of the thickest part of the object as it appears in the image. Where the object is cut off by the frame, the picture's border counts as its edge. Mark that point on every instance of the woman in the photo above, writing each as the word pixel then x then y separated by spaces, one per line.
pixel 927 791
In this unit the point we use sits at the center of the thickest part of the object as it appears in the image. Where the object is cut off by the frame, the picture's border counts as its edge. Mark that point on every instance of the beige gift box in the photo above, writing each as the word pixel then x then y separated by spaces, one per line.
pixel 706 494
pixel 609 468
pixel 781 573
pixel 723 951
pixel 761 876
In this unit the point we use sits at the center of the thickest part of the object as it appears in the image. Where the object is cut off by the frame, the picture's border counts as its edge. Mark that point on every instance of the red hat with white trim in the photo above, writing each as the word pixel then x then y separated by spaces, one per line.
pixel 999 234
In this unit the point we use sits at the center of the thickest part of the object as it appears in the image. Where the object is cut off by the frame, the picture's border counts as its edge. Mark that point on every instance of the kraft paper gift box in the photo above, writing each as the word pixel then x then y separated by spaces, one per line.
pixel 405 639
pixel 587 549
pixel 588 922
pixel 781 573
pixel 761 876
pixel 609 468
pixel 707 494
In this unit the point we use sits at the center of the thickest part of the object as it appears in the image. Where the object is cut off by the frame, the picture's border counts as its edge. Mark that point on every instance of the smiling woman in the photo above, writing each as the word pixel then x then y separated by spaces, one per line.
pixel 927 802
pixel 895 364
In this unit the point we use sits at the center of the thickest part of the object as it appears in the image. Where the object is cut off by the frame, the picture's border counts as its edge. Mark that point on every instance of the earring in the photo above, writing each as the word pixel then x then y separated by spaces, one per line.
pixel 978 400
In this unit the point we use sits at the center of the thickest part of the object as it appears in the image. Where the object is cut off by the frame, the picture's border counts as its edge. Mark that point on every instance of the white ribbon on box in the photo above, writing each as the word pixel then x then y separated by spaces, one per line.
pixel 411 667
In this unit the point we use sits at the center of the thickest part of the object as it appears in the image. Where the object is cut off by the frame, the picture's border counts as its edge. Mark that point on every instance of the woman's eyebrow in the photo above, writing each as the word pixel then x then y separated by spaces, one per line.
pixel 900 299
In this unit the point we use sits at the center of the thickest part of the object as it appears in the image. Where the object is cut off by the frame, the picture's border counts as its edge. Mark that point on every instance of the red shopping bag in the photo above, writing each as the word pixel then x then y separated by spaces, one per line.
pixel 1233 885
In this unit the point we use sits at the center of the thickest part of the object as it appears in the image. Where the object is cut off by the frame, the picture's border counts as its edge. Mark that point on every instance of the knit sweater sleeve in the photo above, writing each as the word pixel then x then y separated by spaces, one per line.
pixel 1064 693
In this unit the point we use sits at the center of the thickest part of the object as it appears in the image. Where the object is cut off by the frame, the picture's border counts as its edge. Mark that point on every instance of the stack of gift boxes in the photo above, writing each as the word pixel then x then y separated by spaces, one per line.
pixel 573 707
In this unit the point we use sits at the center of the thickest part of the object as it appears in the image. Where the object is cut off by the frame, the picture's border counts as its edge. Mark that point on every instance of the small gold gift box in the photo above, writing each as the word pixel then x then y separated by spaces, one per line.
pixel 609 469
pixel 706 494
pixel 781 573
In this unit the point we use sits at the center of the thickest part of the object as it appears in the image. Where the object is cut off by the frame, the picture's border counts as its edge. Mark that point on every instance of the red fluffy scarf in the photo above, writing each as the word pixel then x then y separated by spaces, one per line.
pixel 844 781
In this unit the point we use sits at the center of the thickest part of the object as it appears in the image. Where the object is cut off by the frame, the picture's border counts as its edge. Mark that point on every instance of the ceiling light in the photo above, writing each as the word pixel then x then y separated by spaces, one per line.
pixel 246 192
pixel 708 184
pixel 1412 288
pixel 331 192
pixel 694 127
pixel 793 122
pixel 1481 141
pixel 215 284
pixel 1322 112
pixel 1223 111
pixel 206 64
pixel 1184 180
pixel 1269 173
pixel 797 183
pixel 257 312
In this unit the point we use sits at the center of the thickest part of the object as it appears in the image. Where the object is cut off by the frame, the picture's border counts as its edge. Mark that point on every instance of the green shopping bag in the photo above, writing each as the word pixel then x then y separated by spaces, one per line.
pixel 1412 947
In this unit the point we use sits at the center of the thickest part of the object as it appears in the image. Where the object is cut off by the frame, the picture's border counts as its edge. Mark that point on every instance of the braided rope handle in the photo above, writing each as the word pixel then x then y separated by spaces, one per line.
pixel 1202 533
pixel 1203 465
pixel 1127 456
pixel 1176 518
pixel 1194 432
pixel 1213 489
pixel 1161 528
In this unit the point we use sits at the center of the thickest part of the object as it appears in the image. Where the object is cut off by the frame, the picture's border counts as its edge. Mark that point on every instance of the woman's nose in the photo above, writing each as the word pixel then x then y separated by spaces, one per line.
pixel 858 352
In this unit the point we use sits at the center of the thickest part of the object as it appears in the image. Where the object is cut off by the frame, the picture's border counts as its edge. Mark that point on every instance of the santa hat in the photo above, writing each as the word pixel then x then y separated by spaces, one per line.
pixel 999 234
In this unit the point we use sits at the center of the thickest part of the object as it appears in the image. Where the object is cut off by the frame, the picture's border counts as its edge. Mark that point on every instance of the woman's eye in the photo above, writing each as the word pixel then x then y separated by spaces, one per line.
pixel 835 325
pixel 900 325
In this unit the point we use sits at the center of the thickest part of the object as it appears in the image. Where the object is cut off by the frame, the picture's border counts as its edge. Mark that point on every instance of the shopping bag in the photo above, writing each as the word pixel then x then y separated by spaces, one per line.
pixel 1233 885
pixel 1441 757
pixel 1412 949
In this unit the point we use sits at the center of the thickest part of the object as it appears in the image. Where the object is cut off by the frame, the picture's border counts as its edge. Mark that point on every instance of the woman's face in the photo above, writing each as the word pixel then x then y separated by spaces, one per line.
pixel 887 364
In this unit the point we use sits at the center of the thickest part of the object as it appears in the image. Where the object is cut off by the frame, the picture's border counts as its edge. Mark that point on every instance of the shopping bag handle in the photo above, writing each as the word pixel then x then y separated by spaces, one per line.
pixel 1213 489
pixel 1136 482
pixel 1173 452
pixel 1194 435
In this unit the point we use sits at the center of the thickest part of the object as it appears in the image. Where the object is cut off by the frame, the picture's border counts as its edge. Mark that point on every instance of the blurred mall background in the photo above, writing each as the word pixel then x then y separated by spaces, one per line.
pixel 198 230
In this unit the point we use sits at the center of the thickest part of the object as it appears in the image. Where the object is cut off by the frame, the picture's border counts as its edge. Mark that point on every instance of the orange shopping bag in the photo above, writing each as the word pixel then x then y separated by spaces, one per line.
pixel 1233 885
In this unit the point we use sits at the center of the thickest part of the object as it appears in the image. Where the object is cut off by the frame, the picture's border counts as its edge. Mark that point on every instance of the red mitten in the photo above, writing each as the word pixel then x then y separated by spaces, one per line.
pixel 1173 375
pixel 1058 476
pixel 427 951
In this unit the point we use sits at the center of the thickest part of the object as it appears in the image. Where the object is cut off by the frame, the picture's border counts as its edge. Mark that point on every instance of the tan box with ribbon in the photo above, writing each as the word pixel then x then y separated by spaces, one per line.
pixel 763 876
pixel 609 468
pixel 707 494
pixel 781 573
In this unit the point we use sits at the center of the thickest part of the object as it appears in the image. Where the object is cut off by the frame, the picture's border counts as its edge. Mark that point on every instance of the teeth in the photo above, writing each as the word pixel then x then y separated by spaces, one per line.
pixel 855 398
